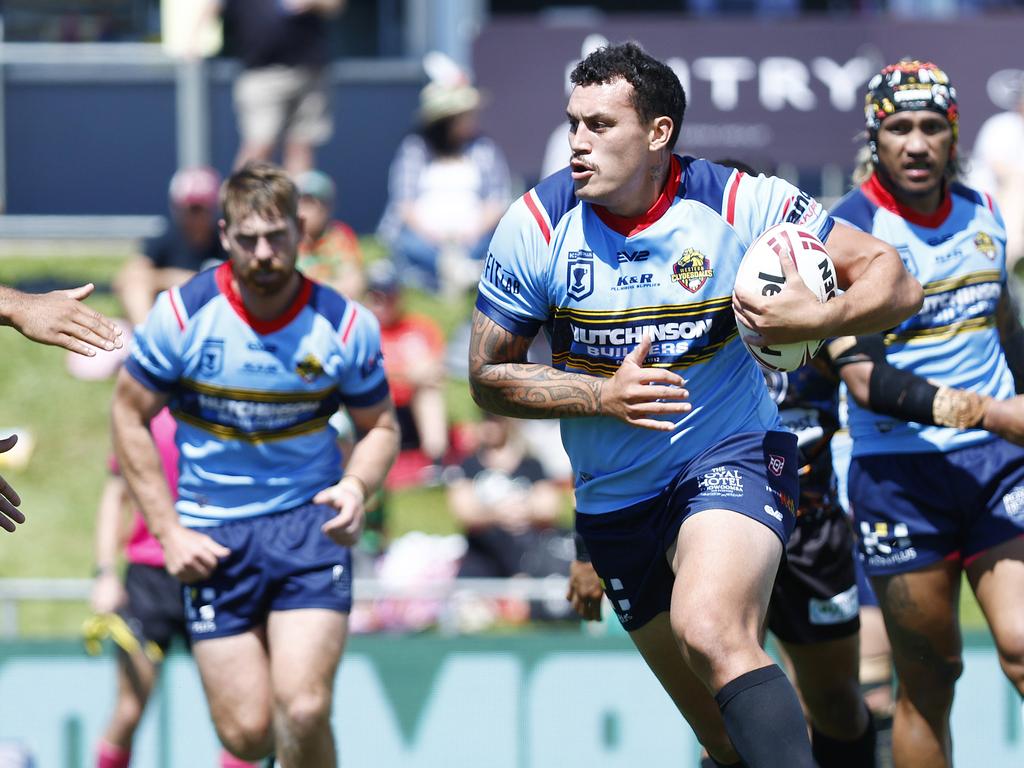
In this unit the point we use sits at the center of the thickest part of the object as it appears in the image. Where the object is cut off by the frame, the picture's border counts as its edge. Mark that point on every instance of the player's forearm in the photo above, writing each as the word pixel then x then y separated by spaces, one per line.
pixel 882 296
pixel 142 471
pixel 373 456
pixel 11 303
pixel 533 391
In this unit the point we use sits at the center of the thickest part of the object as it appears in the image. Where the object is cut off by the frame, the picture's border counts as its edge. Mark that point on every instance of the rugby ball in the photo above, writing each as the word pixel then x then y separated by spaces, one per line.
pixel 760 271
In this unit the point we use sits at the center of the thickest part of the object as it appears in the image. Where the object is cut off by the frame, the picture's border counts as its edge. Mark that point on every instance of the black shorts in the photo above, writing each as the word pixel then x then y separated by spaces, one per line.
pixel 815 594
pixel 155 610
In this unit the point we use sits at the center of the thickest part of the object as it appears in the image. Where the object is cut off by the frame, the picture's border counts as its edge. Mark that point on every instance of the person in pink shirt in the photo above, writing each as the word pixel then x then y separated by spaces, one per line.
pixel 148 600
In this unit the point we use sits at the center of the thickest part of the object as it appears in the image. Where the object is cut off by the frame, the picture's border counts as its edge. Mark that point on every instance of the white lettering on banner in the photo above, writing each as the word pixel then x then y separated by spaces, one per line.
pixel 844 81
pixel 724 73
pixel 632 335
pixel 785 81
pixel 782 81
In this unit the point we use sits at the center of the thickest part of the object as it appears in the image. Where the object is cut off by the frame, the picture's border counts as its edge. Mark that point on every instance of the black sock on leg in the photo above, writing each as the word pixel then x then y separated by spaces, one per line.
pixel 834 753
pixel 764 721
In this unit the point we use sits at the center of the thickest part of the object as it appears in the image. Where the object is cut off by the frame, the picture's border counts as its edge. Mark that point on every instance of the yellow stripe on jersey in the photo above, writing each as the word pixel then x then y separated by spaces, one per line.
pixel 260 436
pixel 960 281
pixel 942 331
pixel 644 313
pixel 257 395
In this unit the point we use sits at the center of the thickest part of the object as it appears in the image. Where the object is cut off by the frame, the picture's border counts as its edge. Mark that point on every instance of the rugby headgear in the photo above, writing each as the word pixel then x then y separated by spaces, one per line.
pixel 908 84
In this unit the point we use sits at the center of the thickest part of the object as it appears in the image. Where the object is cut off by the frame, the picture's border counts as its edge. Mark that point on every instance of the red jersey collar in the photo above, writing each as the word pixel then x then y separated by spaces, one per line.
pixel 878 194
pixel 227 287
pixel 631 225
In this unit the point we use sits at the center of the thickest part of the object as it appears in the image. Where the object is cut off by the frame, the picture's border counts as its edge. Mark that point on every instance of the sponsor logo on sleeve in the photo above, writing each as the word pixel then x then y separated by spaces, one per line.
pixel 499 277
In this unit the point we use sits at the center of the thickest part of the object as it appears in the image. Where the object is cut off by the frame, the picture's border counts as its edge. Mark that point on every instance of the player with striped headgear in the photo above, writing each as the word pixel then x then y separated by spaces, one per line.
pixel 935 497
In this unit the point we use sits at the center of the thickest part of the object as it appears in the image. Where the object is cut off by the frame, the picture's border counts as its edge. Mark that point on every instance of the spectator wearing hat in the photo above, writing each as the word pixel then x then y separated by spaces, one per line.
pixel 447 188
pixel 189 244
pixel 413 348
pixel 329 251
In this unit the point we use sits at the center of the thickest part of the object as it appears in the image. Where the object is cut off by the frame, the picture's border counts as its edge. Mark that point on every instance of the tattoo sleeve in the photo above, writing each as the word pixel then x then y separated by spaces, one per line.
pixel 503 382
pixel 1011 335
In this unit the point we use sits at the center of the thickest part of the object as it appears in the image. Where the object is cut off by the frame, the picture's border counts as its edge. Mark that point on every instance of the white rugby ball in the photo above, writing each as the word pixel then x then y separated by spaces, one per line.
pixel 760 271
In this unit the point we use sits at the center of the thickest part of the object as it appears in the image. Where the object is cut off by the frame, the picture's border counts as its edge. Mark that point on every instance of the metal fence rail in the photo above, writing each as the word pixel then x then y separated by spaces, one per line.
pixel 13 592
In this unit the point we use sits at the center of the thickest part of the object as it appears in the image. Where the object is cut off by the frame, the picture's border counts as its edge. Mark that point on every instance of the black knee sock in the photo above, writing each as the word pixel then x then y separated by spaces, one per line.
pixel 764 721
pixel 834 753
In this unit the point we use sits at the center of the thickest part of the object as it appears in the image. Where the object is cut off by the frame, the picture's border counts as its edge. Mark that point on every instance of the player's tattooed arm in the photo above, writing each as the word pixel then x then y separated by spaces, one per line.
pixel 502 381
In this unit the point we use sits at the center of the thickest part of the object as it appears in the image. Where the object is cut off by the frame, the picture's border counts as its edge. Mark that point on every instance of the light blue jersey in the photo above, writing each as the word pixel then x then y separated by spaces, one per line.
pixel 252 398
pixel 958 255
pixel 596 283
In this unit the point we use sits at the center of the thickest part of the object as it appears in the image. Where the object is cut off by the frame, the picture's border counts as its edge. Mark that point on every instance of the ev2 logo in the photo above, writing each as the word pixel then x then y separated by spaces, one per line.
pixel 625 257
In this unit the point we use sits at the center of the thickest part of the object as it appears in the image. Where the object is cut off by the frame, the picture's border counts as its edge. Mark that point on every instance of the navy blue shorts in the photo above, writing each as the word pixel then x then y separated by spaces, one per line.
pixel 278 562
pixel 154 610
pixel 915 509
pixel 753 473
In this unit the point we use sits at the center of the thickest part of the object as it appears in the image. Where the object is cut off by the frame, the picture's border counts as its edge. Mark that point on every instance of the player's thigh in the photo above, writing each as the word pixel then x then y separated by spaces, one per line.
pixel 921 619
pixel 725 565
pixel 235 671
pixel 997 578
pixel 305 648
pixel 659 648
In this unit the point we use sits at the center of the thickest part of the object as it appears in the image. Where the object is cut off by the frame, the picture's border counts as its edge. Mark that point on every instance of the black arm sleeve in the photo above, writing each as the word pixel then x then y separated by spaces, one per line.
pixel 581 549
pixel 893 392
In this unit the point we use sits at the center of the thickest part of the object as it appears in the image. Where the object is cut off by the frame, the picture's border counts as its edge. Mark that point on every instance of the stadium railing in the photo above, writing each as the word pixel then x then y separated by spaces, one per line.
pixel 13 592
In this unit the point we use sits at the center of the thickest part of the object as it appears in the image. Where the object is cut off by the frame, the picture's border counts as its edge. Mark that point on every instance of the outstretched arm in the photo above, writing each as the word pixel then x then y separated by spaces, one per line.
pixel 59 318
pixel 503 382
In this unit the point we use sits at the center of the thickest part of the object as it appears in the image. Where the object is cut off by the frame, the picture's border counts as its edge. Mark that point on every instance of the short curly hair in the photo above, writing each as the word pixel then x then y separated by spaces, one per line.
pixel 656 89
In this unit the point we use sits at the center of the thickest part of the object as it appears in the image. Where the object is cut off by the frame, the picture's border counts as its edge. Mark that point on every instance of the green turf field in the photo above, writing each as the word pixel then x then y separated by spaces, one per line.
pixel 61 485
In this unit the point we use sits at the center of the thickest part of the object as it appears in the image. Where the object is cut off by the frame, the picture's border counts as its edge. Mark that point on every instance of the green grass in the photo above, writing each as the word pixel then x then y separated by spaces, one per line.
pixel 69 418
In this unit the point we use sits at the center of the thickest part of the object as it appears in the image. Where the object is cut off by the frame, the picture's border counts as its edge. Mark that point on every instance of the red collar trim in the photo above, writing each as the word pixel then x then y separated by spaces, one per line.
pixel 226 285
pixel 878 194
pixel 631 225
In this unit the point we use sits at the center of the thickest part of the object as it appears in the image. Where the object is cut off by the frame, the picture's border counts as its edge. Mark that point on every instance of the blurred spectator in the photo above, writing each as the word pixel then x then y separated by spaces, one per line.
pixel 190 244
pixel 997 167
pixel 447 186
pixel 329 251
pixel 282 94
pixel 508 509
pixel 413 348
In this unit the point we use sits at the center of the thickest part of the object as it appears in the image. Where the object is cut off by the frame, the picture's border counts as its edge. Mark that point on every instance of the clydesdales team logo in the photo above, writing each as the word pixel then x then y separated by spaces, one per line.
pixel 692 270
pixel 985 245
pixel 776 464
pixel 579 274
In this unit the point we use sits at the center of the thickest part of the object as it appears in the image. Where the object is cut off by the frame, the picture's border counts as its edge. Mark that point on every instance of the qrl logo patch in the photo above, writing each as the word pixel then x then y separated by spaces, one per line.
pixel 692 270
pixel 579 274
pixel 776 464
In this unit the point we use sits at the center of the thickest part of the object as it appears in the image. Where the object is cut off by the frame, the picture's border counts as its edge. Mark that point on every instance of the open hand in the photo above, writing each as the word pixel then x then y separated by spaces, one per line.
pixel 61 319
pixel 10 515
pixel 636 394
